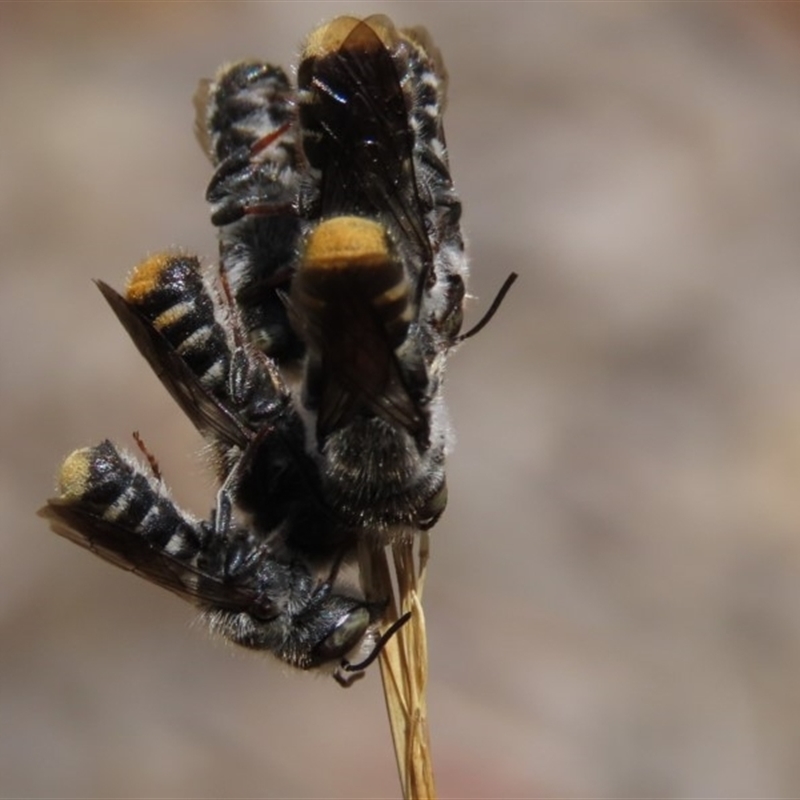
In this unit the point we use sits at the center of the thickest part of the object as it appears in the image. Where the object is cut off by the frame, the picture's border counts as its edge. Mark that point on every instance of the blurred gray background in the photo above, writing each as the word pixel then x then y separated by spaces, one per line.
pixel 614 596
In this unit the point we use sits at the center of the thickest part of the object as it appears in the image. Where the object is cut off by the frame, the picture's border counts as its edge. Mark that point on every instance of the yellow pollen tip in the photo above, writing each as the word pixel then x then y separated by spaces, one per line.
pixel 73 477
pixel 145 277
pixel 344 242
pixel 330 37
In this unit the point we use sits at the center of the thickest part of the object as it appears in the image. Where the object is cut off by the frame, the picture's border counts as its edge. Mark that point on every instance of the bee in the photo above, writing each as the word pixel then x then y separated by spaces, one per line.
pixel 193 339
pixel 254 580
pixel 379 284
pixel 108 504
pixel 245 123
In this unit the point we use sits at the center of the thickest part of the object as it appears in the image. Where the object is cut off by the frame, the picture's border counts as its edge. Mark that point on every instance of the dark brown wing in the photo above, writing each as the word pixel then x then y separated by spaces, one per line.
pixel 131 551
pixel 365 145
pixel 361 371
pixel 206 412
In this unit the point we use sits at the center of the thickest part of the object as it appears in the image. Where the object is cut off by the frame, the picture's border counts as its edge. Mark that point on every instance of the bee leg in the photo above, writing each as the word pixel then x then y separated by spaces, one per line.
pixel 151 459
pixel 324 589
pixel 223 507
pixel 254 383
pixel 222 512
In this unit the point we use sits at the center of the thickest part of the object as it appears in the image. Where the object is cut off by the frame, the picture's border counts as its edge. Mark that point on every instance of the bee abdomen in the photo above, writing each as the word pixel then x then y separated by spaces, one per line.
pixel 170 292
pixel 246 125
pixel 104 481
pixel 349 260
pixel 246 101
pixel 425 86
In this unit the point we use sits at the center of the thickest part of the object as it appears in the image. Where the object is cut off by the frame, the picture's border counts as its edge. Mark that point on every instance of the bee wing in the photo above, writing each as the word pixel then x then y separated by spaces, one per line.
pixel 347 389
pixel 130 550
pixel 209 416
pixel 378 172
pixel 201 100
pixel 342 401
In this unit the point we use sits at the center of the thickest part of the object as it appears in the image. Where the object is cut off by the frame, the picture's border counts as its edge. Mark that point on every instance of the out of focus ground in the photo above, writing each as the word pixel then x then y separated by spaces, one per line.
pixel 614 597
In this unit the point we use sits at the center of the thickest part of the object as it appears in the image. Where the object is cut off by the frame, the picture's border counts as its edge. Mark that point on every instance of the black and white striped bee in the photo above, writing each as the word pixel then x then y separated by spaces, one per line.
pixel 378 292
pixel 246 125
pixel 257 599
pixel 379 286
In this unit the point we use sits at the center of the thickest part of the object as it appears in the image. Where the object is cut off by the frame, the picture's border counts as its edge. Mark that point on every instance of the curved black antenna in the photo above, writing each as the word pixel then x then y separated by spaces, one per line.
pixel 509 282
pixel 381 643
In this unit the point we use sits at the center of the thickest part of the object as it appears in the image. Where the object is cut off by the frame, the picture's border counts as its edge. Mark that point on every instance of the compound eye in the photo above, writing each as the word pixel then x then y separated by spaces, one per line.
pixel 345 636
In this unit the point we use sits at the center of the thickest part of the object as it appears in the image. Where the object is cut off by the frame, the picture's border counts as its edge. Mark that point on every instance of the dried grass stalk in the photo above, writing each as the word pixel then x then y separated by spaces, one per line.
pixel 404 659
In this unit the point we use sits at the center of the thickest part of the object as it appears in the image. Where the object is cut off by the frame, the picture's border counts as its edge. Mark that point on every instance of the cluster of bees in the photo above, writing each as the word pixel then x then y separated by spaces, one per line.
pixel 311 361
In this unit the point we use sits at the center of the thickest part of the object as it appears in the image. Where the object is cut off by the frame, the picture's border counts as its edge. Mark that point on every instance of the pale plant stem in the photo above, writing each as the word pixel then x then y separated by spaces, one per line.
pixel 404 659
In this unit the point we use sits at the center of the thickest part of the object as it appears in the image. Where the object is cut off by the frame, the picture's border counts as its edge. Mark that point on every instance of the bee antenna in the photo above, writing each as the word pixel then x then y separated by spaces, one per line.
pixel 499 297
pixel 381 643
